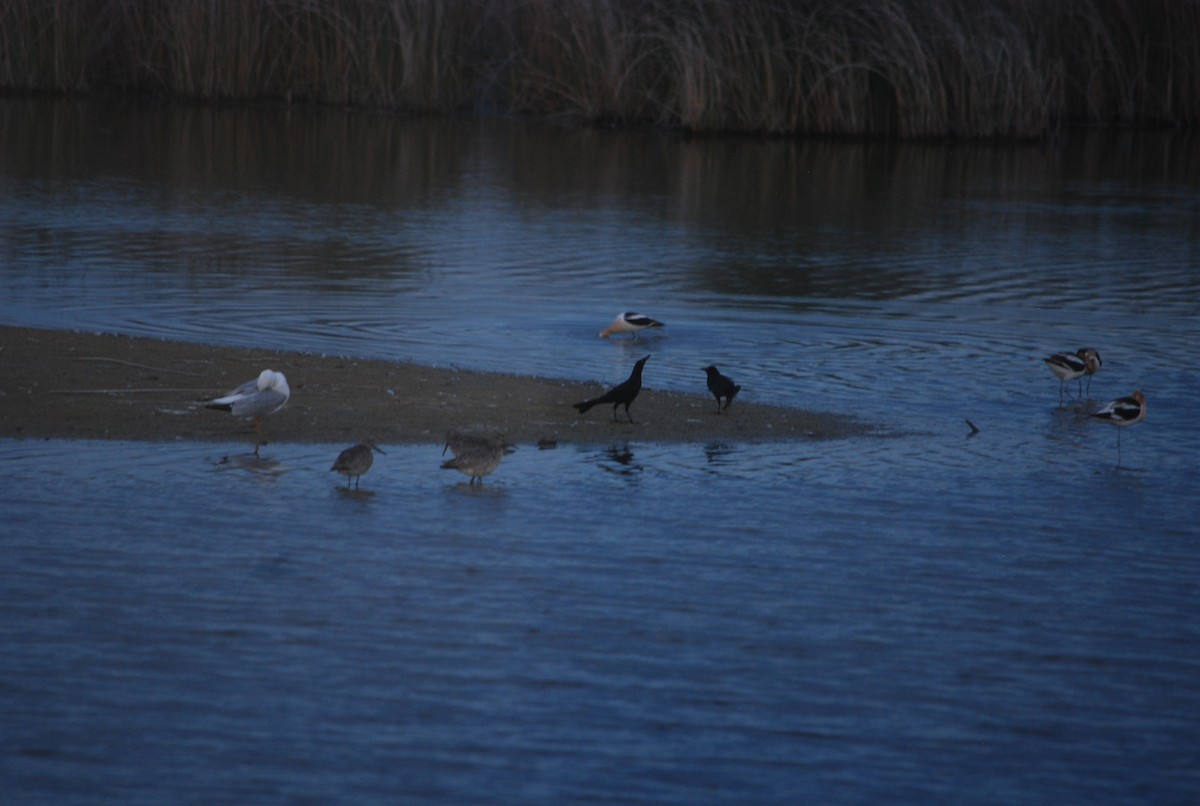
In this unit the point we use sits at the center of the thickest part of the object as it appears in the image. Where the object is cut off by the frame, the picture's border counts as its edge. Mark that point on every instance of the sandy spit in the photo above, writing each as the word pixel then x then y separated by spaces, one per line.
pixel 67 384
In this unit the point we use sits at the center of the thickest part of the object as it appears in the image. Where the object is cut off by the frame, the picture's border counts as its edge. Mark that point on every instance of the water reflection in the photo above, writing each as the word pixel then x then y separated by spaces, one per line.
pixel 916 285
pixel 620 459
pixel 348 200
pixel 718 453
pixel 261 466
pixel 356 494
pixel 730 612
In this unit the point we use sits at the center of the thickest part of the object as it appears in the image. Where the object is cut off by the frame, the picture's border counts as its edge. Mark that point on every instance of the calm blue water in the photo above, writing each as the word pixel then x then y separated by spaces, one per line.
pixel 920 617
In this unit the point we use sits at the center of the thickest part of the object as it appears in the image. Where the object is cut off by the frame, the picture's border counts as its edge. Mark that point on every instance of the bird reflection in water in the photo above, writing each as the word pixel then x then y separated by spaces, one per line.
pixel 621 460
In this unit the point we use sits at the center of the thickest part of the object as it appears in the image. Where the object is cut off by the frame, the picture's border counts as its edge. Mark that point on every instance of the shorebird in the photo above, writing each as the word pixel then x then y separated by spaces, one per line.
pixel 1123 412
pixel 630 322
pixel 621 394
pixel 459 441
pixel 1073 366
pixel 355 461
pixel 475 456
pixel 1091 357
pixel 721 387
pixel 258 398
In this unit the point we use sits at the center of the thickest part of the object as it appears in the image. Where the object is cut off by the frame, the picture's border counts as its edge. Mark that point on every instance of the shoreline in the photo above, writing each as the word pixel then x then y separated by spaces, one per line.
pixel 73 385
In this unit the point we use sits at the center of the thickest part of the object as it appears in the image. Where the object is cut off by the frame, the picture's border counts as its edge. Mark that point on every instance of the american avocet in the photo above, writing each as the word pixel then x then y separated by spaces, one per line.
pixel 721 387
pixel 621 394
pixel 476 457
pixel 1091 357
pixel 630 322
pixel 1073 366
pixel 1123 412
pixel 355 461
pixel 258 398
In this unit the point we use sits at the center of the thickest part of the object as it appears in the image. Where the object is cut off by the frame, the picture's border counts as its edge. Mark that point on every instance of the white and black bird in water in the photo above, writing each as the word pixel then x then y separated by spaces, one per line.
pixel 721 387
pixel 1073 366
pixel 474 455
pixel 622 394
pixel 630 322
pixel 259 398
pixel 355 461
pixel 1123 412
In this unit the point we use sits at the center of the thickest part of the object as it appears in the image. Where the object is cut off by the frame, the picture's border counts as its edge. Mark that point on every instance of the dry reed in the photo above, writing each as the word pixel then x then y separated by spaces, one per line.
pixel 912 68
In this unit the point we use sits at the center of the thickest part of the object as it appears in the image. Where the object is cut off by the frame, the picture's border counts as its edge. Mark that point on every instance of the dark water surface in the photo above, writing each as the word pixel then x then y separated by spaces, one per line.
pixel 921 617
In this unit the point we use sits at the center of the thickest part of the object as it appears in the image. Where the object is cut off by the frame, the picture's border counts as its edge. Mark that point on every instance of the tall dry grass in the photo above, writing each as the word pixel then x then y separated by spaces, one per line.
pixel 913 68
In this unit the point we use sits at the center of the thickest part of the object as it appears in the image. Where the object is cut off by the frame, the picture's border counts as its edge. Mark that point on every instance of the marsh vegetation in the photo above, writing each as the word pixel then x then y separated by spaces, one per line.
pixel 911 68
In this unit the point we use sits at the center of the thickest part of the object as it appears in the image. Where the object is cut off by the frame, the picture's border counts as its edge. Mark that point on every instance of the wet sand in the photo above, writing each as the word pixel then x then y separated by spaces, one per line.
pixel 91 386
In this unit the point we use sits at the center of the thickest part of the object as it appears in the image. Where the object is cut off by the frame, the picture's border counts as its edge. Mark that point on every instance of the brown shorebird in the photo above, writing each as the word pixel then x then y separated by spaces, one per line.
pixel 474 455
pixel 355 461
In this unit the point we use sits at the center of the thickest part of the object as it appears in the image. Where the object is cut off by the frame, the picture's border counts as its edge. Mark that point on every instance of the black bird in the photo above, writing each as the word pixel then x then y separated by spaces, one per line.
pixel 721 387
pixel 621 394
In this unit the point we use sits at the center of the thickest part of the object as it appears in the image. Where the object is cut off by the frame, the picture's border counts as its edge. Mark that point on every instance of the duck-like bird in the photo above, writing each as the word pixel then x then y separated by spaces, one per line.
pixel 355 461
pixel 621 394
pixel 630 322
pixel 1123 412
pixel 721 387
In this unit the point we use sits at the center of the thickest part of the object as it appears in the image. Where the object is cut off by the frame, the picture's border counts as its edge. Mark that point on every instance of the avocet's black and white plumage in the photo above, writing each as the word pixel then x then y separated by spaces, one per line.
pixel 1123 412
pixel 355 461
pixel 630 322
pixel 1073 366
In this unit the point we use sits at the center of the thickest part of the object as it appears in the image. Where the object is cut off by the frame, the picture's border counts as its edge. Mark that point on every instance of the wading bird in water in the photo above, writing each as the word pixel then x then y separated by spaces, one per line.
pixel 474 456
pixel 1073 366
pixel 630 322
pixel 355 461
pixel 1123 412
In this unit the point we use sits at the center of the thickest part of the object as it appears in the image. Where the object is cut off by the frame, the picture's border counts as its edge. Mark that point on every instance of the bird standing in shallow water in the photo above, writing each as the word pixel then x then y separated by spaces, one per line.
pixel 621 394
pixel 721 387
pixel 1123 412
pixel 355 461
pixel 1073 366
pixel 474 456
pixel 258 398
pixel 630 322
pixel 459 441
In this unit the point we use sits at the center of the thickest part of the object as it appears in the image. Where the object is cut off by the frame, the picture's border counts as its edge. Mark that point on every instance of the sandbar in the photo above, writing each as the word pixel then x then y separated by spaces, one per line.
pixel 79 385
